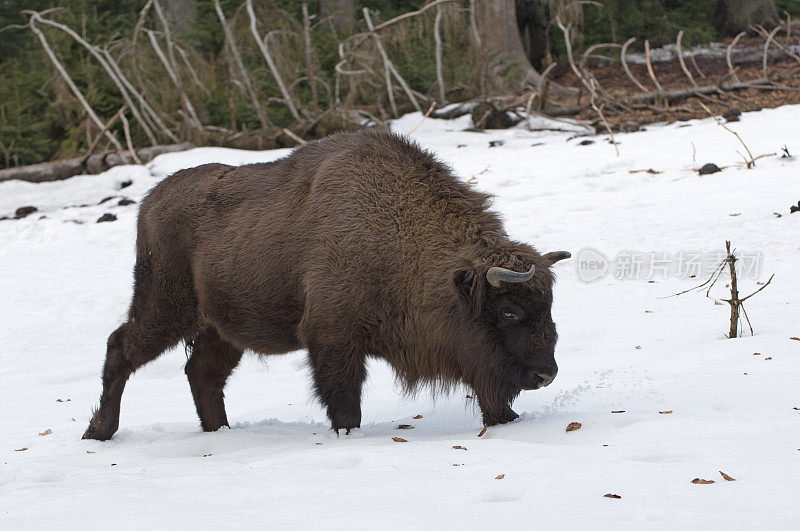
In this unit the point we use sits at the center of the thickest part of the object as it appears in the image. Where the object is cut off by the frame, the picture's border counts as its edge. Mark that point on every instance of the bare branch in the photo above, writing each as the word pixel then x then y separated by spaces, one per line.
pixel 679 49
pixel 389 66
pixel 262 45
pixel 623 58
pixel 63 72
pixel 731 71
pixel 437 38
pixel 237 59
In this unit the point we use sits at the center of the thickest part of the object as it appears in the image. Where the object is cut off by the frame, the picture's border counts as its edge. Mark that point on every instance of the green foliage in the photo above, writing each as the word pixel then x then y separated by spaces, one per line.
pixel 41 119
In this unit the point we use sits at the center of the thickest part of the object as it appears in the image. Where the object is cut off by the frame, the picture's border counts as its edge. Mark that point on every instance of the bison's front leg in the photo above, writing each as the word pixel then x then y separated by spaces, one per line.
pixel 338 377
pixel 496 408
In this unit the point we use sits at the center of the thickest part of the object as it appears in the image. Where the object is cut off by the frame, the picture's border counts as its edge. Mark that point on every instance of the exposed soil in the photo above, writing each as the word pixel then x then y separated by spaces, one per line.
pixel 746 57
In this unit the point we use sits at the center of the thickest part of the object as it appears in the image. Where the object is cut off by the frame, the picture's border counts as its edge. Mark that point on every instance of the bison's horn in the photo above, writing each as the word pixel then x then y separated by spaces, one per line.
pixel 555 256
pixel 496 275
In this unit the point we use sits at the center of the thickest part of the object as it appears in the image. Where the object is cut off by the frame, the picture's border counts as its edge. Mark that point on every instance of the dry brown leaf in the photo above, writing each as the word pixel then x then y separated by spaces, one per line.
pixel 698 481
pixel 207 455
pixel 73 419
pixel 615 496
pixel 21 449
pixel 405 427
pixel 725 476
pixel 667 412
pixel 796 408
pixel 482 432
pixel 767 358
pixel 795 338
pixel 501 476
pixel 458 464
pixel 48 431
pixel 572 426
pixel 619 411
pixel 459 447
pixel 717 303
pixel 416 417
pixel 61 400
pixel 398 439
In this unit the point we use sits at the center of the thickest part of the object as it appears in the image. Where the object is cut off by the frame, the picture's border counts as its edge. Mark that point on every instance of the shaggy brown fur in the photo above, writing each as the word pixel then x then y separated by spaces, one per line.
pixel 357 245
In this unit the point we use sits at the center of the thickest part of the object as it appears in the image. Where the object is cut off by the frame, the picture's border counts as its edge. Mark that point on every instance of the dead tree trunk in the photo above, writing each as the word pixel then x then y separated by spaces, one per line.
pixel 500 41
pixel 734 16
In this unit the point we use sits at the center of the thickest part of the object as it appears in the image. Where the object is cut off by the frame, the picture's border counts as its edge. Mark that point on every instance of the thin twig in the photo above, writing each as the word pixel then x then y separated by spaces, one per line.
pixel 126 128
pixel 427 113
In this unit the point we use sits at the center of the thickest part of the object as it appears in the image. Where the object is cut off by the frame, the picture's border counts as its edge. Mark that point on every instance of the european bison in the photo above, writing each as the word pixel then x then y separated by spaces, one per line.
pixel 361 244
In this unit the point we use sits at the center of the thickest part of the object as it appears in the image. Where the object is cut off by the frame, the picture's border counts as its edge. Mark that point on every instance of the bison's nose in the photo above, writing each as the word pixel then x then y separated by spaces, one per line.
pixel 547 375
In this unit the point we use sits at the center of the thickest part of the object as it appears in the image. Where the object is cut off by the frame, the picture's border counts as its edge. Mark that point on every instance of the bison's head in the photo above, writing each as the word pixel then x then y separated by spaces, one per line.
pixel 510 320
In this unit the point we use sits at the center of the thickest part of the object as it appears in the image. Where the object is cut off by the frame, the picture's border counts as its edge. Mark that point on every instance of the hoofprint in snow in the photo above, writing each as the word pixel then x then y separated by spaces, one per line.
pixel 65 282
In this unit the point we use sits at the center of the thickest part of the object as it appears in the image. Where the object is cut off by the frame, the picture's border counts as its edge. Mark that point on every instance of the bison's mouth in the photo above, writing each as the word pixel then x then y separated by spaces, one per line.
pixel 533 379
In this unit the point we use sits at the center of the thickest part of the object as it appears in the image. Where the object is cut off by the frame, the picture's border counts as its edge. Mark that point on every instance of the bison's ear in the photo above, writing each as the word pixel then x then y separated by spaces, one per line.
pixel 555 256
pixel 470 288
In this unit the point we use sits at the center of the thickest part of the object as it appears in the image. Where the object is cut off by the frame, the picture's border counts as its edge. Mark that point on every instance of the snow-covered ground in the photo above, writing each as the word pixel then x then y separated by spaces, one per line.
pixel 65 282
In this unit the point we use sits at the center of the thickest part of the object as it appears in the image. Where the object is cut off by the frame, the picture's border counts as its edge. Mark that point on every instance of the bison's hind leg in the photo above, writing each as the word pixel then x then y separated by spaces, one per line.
pixel 163 311
pixel 130 346
pixel 212 361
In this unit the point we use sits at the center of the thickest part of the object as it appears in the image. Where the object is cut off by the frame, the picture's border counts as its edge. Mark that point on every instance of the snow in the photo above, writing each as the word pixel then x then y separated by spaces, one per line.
pixel 65 282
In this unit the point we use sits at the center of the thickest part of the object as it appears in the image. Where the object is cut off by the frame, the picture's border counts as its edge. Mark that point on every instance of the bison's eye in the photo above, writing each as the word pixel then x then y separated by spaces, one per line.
pixel 510 316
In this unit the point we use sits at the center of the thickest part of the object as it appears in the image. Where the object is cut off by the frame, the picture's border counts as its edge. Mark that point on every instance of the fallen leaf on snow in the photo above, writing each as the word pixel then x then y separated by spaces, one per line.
pixel 572 426
pixel 90 452
pixel 698 481
pixel 668 412
pixel 207 455
pixel 482 432
pixel 756 353
pixel 615 496
pixel 619 411
pixel 48 431
pixel 416 417
pixel 398 439
pixel 458 464
pixel 501 476
pixel 725 476
pixel 405 427
pixel 61 400
pixel 459 447
pixel 767 358
pixel 795 338
pixel 21 449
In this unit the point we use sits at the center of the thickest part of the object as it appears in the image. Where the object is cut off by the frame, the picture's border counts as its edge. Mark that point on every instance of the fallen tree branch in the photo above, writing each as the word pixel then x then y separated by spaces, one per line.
pixel 64 169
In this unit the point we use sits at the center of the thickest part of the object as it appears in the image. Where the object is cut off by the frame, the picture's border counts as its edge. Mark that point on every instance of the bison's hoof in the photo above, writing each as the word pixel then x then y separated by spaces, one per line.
pixel 509 415
pixel 349 433
pixel 98 434
pixel 504 417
